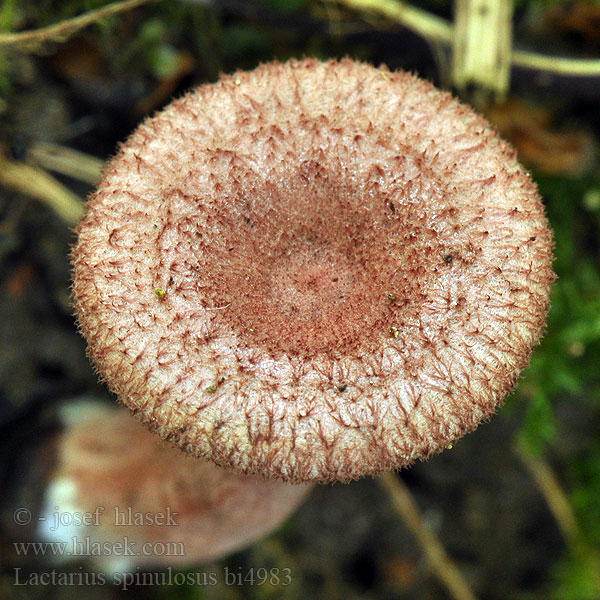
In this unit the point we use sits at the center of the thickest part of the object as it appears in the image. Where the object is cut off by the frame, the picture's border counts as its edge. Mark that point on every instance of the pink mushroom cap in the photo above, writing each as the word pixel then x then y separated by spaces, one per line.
pixel 313 271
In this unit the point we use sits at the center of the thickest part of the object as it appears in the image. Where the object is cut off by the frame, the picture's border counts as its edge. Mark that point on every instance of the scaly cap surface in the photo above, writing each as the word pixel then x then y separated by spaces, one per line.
pixel 313 271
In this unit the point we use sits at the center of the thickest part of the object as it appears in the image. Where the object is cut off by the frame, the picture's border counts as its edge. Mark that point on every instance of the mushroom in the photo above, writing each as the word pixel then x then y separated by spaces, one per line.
pixel 116 486
pixel 313 271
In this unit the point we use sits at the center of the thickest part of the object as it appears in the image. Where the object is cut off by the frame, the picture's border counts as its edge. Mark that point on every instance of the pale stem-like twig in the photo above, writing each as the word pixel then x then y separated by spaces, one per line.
pixel 33 39
pixel 66 161
pixel 442 565
pixel 437 29
pixel 556 499
pixel 36 183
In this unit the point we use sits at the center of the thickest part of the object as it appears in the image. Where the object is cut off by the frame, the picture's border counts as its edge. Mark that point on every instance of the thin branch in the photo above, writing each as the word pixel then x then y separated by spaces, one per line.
pixel 556 499
pixel 437 29
pixel 67 161
pixel 417 20
pixel 38 184
pixel 559 65
pixel 442 565
pixel 32 40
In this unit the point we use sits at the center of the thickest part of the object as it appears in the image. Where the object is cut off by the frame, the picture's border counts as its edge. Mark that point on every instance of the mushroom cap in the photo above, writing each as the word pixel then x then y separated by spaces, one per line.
pixel 313 271
pixel 172 508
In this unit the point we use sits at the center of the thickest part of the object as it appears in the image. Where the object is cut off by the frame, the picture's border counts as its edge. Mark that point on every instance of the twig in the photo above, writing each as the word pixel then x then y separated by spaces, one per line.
pixel 576 67
pixel 437 29
pixel 442 565
pixel 38 184
pixel 33 39
pixel 556 499
pixel 66 161
pixel 481 46
pixel 417 20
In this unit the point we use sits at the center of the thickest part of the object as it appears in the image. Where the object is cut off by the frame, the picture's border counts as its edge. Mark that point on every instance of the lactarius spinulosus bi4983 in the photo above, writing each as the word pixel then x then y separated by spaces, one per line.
pixel 313 271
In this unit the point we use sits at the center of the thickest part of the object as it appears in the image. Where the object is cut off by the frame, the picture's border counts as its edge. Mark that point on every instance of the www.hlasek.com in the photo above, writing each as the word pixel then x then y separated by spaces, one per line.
pixel 125 580
pixel 85 546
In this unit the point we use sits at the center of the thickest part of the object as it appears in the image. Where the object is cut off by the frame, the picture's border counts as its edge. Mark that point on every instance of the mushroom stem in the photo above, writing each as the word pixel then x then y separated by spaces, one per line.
pixel 441 563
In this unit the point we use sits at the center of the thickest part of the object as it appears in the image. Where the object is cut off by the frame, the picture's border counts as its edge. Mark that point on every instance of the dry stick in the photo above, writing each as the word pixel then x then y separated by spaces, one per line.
pixel 481 47
pixel 446 571
pixel 36 183
pixel 436 29
pixel 556 499
pixel 66 161
pixel 33 39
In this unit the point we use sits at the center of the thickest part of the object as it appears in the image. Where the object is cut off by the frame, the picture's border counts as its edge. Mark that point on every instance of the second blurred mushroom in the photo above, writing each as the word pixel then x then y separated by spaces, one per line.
pixel 173 510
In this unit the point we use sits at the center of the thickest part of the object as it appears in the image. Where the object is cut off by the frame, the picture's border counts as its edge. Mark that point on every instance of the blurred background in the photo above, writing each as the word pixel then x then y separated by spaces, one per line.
pixel 516 505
